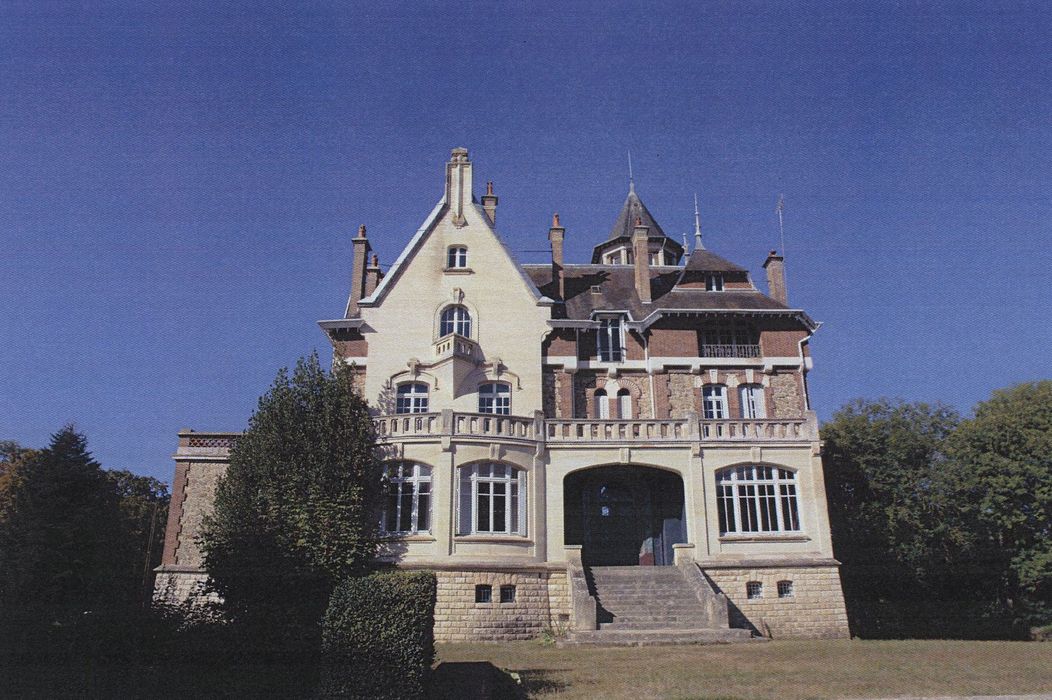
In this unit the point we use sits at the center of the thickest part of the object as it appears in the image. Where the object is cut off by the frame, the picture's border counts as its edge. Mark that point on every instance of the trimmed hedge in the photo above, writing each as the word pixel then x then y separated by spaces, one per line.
pixel 378 636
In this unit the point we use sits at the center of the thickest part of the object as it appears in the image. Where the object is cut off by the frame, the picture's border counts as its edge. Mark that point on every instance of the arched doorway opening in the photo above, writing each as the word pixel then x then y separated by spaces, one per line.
pixel 624 515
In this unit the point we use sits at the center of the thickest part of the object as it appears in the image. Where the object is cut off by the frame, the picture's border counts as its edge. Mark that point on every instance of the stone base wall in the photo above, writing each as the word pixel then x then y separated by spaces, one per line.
pixel 179 587
pixel 815 610
pixel 542 600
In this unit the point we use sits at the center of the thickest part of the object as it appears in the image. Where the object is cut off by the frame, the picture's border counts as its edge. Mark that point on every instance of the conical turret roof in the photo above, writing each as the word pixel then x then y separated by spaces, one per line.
pixel 632 210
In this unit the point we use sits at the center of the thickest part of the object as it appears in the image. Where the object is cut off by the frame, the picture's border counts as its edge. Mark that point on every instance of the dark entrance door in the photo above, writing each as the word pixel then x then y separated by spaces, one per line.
pixel 624 515
pixel 613 526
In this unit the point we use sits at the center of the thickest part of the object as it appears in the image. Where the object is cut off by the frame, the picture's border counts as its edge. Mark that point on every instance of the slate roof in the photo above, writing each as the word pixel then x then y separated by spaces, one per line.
pixel 632 209
pixel 617 291
pixel 702 260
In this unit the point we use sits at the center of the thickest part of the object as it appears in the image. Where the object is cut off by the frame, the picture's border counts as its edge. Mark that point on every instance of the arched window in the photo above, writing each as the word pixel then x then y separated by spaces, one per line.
pixel 495 397
pixel 492 500
pixel 455 319
pixel 602 404
pixel 457 257
pixel 624 404
pixel 412 398
pixel 757 498
pixel 408 505
pixel 714 401
pixel 752 401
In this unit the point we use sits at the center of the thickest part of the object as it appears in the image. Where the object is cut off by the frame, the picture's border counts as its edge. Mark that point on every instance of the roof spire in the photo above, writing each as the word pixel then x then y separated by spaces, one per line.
pixel 631 180
pixel 697 225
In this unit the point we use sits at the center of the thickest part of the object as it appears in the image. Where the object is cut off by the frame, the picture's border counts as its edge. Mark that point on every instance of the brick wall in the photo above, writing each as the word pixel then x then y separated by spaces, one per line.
pixel 814 611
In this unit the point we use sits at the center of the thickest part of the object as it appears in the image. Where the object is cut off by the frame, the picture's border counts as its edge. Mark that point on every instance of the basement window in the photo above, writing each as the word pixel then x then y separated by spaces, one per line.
pixel 483 594
pixel 785 589
pixel 507 594
pixel 754 590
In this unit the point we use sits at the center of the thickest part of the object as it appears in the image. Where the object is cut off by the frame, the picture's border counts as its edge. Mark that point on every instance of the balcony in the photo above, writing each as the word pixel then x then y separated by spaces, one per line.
pixel 732 350
pixel 454 345
pixel 449 424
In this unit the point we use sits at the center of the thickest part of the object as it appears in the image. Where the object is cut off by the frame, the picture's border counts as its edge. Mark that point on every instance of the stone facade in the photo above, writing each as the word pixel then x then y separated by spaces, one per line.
pixel 541 601
pixel 785 393
pixel 682 394
pixel 201 481
pixel 814 609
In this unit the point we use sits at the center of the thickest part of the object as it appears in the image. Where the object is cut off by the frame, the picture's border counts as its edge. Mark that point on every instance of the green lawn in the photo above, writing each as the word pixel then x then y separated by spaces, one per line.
pixel 779 669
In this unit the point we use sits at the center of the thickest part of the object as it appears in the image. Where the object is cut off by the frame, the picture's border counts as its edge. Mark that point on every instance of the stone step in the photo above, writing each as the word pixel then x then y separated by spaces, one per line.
pixel 677 599
pixel 654 637
pixel 662 623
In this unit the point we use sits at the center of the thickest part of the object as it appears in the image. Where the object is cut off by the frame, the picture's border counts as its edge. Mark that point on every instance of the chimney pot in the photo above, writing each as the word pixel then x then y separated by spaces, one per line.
pixel 361 231
pixel 556 234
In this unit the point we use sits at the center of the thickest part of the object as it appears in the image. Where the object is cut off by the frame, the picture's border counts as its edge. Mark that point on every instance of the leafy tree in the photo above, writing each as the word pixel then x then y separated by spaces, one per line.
pixel 1002 465
pixel 297 509
pixel 143 503
pixel 56 539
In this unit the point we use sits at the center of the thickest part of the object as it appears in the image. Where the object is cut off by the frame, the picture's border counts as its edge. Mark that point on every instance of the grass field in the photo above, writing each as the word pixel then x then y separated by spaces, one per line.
pixel 780 669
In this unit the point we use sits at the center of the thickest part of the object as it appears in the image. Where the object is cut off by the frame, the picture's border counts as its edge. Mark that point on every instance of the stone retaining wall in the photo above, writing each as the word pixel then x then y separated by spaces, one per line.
pixel 542 600
pixel 815 610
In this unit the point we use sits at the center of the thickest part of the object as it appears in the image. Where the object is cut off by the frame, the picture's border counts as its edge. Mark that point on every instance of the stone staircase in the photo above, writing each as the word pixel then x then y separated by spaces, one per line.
pixel 652 605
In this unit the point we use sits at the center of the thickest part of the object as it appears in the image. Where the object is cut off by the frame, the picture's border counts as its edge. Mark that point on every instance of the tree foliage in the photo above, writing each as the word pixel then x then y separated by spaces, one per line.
pixel 943 526
pixel 60 523
pixel 297 509
pixel 1002 461
pixel 143 504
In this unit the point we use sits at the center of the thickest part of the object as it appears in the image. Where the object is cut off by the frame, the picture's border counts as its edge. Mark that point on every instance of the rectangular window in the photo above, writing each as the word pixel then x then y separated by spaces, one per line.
pixel 752 401
pixel 483 594
pixel 507 594
pixel 785 589
pixel 714 401
pixel 714 282
pixel 495 398
pixel 457 257
pixel 491 500
pixel 609 340
pixel 754 590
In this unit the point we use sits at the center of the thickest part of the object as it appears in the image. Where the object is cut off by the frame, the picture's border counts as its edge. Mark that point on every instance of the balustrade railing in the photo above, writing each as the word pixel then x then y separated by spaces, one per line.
pixel 730 350
pixel 581 431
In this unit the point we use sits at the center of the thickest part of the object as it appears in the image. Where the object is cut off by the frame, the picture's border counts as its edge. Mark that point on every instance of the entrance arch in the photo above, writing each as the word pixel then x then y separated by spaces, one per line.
pixel 624 515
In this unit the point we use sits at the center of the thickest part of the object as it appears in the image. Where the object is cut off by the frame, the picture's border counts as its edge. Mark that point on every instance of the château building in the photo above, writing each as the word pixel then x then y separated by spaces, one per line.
pixel 621 449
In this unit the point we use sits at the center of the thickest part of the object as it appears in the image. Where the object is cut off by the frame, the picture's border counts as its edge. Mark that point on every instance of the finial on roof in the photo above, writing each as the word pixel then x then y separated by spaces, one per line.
pixel 555 220
pixel 697 225
pixel 686 248
pixel 361 231
pixel 631 180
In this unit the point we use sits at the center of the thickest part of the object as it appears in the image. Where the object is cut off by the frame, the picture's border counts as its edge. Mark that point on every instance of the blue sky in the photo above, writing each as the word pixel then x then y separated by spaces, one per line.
pixel 179 182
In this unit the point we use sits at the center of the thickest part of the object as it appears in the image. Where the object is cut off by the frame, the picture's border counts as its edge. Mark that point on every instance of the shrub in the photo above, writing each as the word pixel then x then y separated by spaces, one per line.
pixel 378 636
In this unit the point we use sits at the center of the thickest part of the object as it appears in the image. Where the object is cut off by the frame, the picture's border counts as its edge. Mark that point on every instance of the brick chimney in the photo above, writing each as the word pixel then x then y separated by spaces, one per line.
pixel 775 266
pixel 555 235
pixel 641 253
pixel 489 203
pixel 372 276
pixel 458 185
pixel 358 273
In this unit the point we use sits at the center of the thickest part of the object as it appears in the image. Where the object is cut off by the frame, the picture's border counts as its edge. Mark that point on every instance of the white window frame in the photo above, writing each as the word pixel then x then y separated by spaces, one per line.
pixel 714 282
pixel 612 331
pixel 602 404
pixel 757 499
pixel 412 397
pixel 753 401
pixel 480 480
pixel 624 404
pixel 714 402
pixel 495 398
pixel 455 319
pixel 753 590
pixel 457 257
pixel 413 480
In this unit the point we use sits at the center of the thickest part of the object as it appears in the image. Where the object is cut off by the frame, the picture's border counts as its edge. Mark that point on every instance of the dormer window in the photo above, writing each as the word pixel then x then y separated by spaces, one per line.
pixel 714 282
pixel 457 258
pixel 455 319
pixel 609 339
